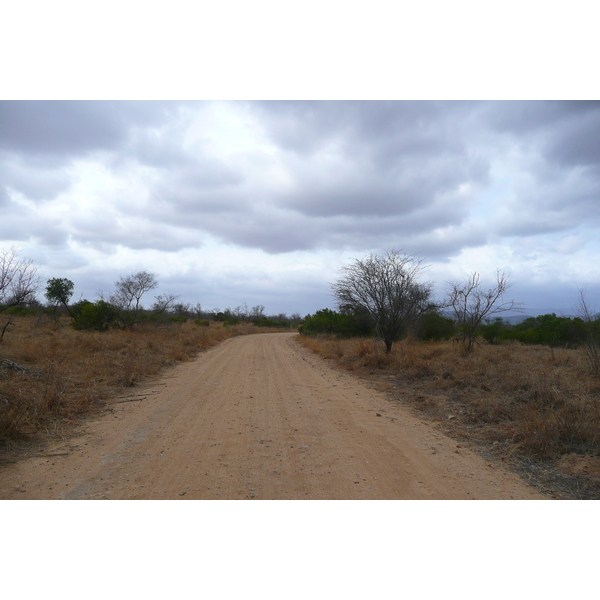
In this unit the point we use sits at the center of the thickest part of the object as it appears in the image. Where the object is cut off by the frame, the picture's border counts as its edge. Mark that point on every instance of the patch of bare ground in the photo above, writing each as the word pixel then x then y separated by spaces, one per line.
pixel 534 408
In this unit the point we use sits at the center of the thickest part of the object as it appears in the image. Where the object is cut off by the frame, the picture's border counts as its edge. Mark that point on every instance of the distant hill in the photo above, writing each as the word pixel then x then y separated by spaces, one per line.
pixel 512 319
pixel 516 319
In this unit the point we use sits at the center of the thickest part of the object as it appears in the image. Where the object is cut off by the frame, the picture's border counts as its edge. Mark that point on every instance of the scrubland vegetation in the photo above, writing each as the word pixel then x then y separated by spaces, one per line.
pixel 536 407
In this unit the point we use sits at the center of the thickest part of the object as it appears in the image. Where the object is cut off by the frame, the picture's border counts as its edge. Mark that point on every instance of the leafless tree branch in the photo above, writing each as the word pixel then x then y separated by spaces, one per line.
pixel 472 304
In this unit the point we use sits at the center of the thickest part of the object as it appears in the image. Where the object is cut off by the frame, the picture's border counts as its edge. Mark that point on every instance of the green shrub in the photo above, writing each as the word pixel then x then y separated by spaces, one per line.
pixel 331 322
pixel 549 330
pixel 433 327
pixel 20 311
pixel 494 331
pixel 99 315
pixel 178 319
pixel 265 322
pixel 202 322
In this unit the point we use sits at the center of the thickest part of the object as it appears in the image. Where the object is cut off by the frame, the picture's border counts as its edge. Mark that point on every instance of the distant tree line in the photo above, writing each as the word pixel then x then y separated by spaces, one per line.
pixel 547 330
pixel 255 315
pixel 378 296
pixel 381 296
pixel 123 308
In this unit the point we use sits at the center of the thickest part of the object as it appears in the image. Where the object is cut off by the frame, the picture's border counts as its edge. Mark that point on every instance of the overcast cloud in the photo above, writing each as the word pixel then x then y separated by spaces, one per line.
pixel 263 202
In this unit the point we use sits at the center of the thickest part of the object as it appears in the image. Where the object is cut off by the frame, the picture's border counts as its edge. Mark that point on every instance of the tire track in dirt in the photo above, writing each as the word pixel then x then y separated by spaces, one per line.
pixel 259 417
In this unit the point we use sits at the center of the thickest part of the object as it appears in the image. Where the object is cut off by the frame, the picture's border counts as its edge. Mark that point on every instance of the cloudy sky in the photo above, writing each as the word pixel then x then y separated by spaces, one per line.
pixel 262 202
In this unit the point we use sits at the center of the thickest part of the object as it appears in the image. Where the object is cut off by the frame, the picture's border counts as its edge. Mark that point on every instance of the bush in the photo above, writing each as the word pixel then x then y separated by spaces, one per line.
pixel 433 327
pixel 549 330
pixel 178 319
pixel 202 322
pixel 493 331
pixel 265 322
pixel 327 321
pixel 99 315
pixel 281 324
pixel 20 311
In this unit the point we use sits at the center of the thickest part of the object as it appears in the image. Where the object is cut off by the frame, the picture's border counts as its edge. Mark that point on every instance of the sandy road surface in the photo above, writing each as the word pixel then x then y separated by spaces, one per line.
pixel 258 417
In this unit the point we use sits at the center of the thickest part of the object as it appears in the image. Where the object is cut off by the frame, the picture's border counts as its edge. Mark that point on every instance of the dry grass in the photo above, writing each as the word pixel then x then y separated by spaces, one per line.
pixel 525 404
pixel 70 373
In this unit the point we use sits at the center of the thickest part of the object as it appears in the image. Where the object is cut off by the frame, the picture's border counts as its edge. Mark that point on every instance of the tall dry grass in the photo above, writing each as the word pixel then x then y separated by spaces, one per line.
pixel 69 373
pixel 521 402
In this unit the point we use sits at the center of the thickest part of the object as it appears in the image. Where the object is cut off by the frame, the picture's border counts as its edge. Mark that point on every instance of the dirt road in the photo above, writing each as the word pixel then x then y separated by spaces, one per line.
pixel 258 417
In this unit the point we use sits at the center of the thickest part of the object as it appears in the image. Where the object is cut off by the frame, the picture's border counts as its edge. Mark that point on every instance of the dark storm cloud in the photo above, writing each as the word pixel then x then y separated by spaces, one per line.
pixel 410 132
pixel 567 134
pixel 577 143
pixel 67 128
pixel 271 234
pixel 523 117
pixel 37 138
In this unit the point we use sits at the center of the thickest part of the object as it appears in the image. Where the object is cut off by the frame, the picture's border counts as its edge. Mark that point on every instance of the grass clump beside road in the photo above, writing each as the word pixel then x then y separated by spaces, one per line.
pixel 50 374
pixel 535 407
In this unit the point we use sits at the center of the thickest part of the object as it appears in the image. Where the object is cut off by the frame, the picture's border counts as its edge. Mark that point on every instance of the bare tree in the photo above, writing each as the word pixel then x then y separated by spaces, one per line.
pixel 258 311
pixel 472 304
pixel 163 303
pixel 19 283
pixel 127 298
pixel 386 287
pixel 241 312
pixel 197 310
pixel 181 309
pixel 128 295
pixel 591 341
